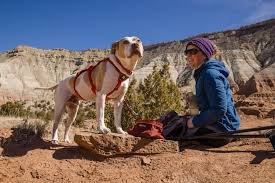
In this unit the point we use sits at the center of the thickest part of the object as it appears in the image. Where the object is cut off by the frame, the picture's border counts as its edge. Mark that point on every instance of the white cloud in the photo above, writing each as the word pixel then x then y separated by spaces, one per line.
pixel 264 10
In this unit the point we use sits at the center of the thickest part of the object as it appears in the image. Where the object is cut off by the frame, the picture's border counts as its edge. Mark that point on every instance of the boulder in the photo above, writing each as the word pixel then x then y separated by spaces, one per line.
pixel 113 144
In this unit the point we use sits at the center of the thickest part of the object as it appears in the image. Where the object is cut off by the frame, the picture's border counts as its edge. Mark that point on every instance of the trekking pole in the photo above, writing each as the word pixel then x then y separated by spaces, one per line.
pixel 235 134
pixel 250 129
pixel 216 136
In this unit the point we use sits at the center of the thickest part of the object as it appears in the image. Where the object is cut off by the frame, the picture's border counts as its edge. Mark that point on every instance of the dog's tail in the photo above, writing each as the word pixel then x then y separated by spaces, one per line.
pixel 47 88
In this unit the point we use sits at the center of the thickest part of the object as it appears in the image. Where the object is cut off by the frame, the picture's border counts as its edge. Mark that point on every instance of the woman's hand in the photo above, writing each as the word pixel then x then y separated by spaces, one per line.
pixel 190 123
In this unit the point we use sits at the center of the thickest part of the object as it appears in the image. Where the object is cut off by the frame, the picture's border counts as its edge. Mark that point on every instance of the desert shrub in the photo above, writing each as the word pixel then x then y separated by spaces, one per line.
pixel 160 94
pixel 37 128
pixel 109 116
pixel 16 109
pixel 91 114
pixel 80 118
pixel 132 109
pixel 153 97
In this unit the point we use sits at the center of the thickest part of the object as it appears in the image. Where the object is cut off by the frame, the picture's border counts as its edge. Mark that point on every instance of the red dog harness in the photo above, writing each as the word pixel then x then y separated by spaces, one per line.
pixel 122 77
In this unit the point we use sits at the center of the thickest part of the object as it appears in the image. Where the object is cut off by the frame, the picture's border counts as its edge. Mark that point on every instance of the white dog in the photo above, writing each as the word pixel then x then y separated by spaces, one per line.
pixel 108 79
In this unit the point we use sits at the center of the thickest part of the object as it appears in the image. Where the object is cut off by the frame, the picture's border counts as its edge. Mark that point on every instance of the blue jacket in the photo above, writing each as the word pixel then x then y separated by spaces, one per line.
pixel 214 98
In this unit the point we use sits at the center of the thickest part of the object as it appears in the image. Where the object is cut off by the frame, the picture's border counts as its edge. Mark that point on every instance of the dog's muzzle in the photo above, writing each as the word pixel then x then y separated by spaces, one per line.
pixel 136 50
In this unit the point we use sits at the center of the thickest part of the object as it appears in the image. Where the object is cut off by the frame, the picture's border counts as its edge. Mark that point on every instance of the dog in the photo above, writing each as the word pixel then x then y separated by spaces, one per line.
pixel 108 79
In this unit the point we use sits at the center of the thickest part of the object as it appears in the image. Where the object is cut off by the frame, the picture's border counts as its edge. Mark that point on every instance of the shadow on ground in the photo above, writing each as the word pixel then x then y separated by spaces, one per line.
pixel 260 155
pixel 22 141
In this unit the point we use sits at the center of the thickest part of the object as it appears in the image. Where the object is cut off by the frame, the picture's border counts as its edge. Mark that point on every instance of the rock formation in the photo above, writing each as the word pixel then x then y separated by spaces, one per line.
pixel 259 92
pixel 248 52
pixel 113 144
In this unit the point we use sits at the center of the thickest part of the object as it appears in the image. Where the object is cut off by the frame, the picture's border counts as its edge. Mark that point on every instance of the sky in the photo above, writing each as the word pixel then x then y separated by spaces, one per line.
pixel 84 24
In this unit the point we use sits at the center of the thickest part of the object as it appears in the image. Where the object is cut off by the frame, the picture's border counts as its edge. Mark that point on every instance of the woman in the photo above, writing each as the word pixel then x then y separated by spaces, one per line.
pixel 213 94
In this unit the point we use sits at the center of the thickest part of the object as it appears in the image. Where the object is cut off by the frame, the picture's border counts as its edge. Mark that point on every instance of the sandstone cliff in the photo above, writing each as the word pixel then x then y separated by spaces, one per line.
pixel 248 52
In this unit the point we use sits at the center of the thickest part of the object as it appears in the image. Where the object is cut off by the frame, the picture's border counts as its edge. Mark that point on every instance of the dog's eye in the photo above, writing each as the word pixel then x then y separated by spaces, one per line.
pixel 138 40
pixel 126 42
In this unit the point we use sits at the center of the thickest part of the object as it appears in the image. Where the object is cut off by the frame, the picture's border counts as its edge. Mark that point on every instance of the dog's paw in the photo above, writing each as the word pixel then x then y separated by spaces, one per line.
pixel 119 130
pixel 68 141
pixel 54 142
pixel 104 130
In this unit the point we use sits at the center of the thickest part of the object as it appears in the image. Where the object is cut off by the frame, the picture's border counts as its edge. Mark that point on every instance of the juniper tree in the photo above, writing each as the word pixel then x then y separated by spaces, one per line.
pixel 153 97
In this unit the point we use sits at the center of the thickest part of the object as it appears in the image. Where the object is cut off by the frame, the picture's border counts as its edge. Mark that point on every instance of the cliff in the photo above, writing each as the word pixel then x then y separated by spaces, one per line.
pixel 248 52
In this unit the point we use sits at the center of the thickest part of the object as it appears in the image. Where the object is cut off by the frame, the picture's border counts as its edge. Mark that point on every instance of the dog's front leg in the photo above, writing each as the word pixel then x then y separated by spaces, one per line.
pixel 100 108
pixel 118 105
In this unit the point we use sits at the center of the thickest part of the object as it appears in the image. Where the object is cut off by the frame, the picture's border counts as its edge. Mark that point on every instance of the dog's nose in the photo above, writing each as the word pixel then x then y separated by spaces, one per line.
pixel 135 45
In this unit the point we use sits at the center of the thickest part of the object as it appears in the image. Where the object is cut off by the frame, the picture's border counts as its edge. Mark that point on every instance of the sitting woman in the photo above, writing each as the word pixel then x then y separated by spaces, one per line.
pixel 213 94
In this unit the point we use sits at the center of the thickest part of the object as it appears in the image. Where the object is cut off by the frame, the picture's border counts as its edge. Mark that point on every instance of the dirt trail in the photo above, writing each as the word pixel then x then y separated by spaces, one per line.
pixel 28 159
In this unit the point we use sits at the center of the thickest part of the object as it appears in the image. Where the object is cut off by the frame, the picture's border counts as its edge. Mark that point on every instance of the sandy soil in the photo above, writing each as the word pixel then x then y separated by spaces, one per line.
pixel 28 159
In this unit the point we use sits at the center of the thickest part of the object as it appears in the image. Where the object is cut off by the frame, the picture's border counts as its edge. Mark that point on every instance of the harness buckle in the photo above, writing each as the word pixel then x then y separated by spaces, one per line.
pixel 123 77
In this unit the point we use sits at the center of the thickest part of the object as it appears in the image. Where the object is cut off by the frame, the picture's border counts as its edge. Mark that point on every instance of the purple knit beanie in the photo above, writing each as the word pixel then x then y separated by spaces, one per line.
pixel 204 44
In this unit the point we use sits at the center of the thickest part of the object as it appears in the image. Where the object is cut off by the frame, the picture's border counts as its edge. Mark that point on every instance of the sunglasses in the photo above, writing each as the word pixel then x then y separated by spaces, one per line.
pixel 192 51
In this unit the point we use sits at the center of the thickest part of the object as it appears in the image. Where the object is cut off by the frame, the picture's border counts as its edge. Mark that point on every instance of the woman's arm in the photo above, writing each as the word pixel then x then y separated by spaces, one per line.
pixel 214 88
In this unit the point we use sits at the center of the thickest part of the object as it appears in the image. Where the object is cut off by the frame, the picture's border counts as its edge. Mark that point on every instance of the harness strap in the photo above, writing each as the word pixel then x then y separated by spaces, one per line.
pixel 122 77
pixel 93 87
pixel 120 64
pixel 75 90
pixel 89 70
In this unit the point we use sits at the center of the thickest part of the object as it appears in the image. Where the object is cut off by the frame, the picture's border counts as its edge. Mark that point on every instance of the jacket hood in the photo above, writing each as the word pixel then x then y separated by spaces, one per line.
pixel 212 64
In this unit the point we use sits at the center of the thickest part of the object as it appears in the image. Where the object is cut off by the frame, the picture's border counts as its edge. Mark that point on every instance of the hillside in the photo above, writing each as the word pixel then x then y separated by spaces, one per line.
pixel 247 52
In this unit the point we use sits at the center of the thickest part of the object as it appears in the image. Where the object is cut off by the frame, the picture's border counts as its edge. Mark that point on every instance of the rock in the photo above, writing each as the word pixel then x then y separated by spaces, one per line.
pixel 259 94
pixel 261 82
pixel 145 161
pixel 35 174
pixel 112 144
pixel 5 134
pixel 1 151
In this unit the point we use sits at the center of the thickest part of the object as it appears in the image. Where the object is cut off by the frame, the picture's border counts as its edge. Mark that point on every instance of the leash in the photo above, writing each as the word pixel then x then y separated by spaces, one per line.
pixel 132 111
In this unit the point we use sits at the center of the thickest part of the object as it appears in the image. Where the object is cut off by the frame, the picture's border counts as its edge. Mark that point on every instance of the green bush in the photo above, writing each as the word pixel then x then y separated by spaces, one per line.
pixel 32 128
pixel 153 97
pixel 80 118
pixel 16 109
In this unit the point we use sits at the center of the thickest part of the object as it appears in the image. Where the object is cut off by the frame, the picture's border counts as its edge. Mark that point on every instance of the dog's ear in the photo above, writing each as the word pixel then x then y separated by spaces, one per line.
pixel 114 47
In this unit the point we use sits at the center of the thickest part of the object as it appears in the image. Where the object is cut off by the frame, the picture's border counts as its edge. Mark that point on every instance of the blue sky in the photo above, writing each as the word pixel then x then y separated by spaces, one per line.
pixel 83 24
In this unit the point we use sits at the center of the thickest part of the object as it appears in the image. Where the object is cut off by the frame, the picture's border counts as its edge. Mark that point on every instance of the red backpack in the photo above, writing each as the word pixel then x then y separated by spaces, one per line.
pixel 148 129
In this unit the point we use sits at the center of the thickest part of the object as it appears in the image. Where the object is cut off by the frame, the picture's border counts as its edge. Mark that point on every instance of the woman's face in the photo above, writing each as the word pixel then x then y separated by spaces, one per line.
pixel 194 57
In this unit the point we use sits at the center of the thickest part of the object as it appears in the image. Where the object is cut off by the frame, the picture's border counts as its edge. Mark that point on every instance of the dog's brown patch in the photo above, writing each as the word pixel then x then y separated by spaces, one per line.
pixel 98 75
pixel 72 102
pixel 120 49
pixel 71 85
pixel 114 47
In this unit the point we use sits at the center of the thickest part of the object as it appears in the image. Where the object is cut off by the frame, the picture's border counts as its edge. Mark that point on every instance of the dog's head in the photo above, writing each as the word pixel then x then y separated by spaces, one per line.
pixel 128 47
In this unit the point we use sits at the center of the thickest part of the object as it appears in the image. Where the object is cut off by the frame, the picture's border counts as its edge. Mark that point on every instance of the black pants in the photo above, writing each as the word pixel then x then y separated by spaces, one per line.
pixel 210 142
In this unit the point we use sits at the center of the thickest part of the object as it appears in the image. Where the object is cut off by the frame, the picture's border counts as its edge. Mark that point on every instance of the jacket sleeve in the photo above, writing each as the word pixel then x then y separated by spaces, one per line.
pixel 214 89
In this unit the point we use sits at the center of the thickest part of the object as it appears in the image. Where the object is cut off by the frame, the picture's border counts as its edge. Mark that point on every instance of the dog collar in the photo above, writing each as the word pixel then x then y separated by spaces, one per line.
pixel 127 71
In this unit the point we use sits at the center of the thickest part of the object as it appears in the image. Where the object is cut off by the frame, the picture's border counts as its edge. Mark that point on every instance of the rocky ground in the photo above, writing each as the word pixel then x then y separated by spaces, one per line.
pixel 28 159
